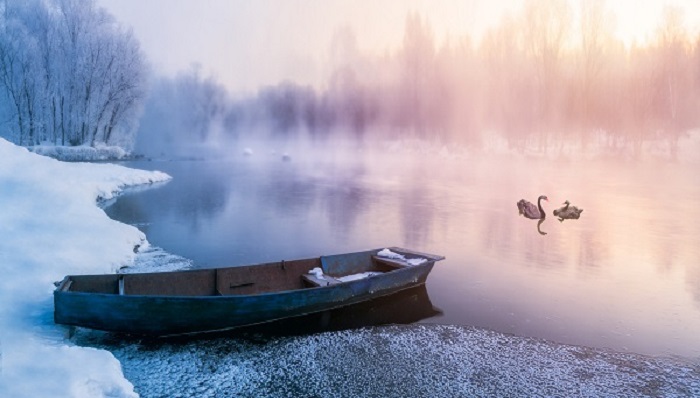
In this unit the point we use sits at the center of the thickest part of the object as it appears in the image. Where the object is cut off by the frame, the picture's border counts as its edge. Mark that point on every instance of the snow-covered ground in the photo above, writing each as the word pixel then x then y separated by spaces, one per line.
pixel 51 225
pixel 397 361
pixel 81 153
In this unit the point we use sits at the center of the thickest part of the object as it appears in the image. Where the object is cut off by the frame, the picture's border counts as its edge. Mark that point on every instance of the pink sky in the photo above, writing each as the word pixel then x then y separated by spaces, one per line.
pixel 246 44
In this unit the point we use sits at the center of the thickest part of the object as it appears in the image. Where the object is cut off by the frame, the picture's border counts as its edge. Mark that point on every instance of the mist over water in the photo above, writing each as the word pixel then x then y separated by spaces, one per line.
pixel 624 276
pixel 551 77
pixel 430 144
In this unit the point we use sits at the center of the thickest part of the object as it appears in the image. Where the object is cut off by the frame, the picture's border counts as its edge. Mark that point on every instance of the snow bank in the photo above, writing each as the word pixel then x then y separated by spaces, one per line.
pixel 41 370
pixel 50 226
pixel 81 153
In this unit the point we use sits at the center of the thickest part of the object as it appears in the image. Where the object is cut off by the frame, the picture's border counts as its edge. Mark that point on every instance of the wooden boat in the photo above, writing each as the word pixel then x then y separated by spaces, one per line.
pixel 205 300
pixel 403 307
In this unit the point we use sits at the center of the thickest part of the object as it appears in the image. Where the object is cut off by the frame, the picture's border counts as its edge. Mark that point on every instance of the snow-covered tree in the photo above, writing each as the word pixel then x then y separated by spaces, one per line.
pixel 69 74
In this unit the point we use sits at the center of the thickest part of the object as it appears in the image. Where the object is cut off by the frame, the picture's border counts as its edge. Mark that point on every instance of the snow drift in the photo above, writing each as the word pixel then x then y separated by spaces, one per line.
pixel 51 226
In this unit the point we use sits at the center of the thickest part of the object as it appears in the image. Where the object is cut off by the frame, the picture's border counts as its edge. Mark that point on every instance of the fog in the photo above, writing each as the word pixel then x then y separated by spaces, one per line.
pixel 623 276
pixel 549 78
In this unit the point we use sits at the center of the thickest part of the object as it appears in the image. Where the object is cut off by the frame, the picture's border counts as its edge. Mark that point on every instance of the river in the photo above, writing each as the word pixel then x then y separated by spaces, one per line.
pixel 625 276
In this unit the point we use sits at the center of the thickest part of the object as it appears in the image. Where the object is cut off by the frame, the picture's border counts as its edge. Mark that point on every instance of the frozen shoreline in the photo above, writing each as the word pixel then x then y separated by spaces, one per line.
pixel 82 153
pixel 51 226
pixel 416 360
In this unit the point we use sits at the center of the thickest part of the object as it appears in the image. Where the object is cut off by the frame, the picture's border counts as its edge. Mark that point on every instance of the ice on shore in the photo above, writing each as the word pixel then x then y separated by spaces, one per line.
pixel 419 360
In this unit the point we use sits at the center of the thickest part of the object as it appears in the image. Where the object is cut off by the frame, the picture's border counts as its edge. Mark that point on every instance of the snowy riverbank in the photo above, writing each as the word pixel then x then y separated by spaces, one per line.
pixel 81 153
pixel 397 361
pixel 51 226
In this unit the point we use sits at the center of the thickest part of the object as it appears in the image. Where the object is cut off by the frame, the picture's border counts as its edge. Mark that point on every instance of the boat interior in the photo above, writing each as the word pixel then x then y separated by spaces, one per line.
pixel 240 280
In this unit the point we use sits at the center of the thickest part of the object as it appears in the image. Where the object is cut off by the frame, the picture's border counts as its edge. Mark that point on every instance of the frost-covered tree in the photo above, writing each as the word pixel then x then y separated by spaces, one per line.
pixel 69 74
pixel 17 49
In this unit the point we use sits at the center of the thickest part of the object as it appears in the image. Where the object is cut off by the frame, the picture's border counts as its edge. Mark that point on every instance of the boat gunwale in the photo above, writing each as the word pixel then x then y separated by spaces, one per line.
pixel 232 296
pixel 63 287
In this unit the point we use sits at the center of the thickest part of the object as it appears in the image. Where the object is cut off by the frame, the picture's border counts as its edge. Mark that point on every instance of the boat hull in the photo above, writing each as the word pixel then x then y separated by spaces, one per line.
pixel 171 315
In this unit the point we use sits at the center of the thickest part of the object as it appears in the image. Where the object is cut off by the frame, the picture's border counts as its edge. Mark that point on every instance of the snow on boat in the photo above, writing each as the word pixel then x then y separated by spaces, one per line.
pixel 205 300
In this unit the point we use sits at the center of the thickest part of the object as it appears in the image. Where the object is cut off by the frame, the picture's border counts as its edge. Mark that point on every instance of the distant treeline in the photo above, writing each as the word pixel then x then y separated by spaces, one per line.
pixel 69 75
pixel 546 75
pixel 539 78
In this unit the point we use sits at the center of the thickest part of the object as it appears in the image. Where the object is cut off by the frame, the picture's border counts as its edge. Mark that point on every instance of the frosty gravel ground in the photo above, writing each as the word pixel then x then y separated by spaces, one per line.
pixel 396 361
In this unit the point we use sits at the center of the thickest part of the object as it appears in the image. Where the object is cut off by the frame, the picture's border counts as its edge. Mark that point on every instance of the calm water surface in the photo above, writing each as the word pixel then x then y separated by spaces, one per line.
pixel 625 276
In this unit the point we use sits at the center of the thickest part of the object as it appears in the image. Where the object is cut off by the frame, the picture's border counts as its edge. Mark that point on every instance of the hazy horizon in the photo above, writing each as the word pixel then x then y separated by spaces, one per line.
pixel 248 45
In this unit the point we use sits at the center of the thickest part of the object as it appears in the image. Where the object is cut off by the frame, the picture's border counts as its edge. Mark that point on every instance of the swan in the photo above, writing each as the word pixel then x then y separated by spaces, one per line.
pixel 531 211
pixel 568 212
